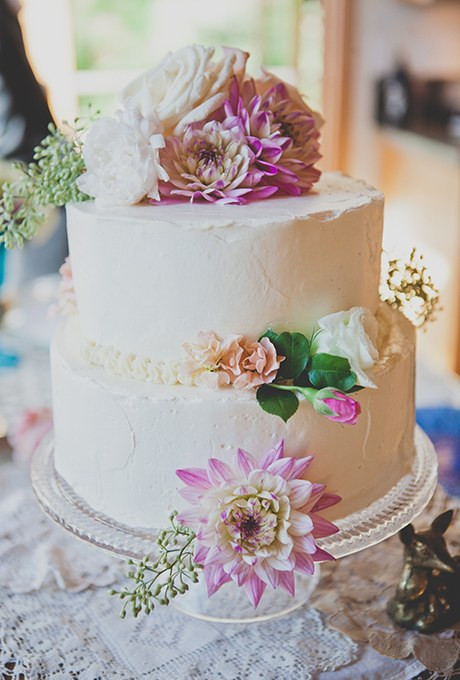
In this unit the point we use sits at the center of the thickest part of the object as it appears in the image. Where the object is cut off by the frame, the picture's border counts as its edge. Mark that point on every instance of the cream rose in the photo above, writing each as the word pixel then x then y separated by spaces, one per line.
pixel 351 334
pixel 122 159
pixel 186 86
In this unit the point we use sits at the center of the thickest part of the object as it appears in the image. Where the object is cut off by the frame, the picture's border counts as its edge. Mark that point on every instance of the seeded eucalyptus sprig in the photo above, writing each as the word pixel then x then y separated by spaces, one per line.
pixel 49 180
pixel 160 580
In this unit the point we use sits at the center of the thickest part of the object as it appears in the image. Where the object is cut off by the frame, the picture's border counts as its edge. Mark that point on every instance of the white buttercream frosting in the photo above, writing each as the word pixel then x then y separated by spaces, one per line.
pixel 119 441
pixel 148 278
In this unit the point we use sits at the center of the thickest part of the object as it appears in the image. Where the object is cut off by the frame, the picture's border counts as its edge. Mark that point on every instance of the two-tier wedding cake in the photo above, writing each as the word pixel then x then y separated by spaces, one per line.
pixel 226 330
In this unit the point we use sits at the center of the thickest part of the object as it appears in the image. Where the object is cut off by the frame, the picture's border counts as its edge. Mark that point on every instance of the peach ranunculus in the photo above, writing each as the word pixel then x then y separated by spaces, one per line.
pixel 259 364
pixel 232 356
pixel 215 362
pixel 204 364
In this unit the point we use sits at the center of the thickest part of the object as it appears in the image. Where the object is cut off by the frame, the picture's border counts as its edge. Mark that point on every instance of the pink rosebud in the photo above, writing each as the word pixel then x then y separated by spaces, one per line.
pixel 337 406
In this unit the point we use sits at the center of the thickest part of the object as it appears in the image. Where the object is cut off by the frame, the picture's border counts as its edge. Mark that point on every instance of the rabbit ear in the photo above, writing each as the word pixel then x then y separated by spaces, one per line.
pixel 407 534
pixel 440 524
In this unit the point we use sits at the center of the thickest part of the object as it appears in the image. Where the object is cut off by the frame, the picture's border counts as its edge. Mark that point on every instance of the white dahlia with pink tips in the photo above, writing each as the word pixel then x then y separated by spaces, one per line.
pixel 256 522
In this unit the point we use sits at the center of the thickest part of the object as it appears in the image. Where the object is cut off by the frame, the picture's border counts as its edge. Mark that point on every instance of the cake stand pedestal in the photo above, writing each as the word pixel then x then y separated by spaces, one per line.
pixel 357 531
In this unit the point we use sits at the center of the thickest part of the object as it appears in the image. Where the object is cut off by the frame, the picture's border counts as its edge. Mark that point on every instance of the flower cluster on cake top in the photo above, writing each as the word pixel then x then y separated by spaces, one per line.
pixel 196 128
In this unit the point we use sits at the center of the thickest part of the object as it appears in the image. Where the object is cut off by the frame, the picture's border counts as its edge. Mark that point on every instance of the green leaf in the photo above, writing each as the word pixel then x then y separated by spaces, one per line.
pixel 327 370
pixel 277 402
pixel 355 388
pixel 296 350
pixel 303 380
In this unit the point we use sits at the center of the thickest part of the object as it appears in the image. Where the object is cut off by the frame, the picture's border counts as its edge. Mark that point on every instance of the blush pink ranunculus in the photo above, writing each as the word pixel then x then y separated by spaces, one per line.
pixel 232 356
pixel 256 521
pixel 259 364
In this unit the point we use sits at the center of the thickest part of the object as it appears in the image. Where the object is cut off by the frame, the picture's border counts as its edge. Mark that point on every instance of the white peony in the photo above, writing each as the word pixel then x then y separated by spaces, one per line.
pixel 122 159
pixel 186 86
pixel 351 334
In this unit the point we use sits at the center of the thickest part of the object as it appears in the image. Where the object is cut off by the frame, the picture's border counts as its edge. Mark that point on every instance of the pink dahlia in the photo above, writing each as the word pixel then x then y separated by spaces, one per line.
pixel 256 522
pixel 299 125
pixel 210 162
pixel 282 137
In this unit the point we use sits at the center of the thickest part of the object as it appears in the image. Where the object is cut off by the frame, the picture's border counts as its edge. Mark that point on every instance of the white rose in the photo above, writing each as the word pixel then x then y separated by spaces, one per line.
pixel 122 159
pixel 186 86
pixel 351 334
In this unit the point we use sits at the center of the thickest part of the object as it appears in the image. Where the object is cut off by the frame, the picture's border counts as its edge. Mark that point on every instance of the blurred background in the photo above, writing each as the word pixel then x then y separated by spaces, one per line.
pixel 384 73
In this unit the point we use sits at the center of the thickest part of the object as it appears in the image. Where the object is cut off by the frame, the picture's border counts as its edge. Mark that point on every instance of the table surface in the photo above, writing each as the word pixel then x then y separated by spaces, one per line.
pixel 27 386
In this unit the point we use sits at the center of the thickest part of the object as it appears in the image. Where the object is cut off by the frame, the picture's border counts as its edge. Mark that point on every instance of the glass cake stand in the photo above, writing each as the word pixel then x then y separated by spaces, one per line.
pixel 357 531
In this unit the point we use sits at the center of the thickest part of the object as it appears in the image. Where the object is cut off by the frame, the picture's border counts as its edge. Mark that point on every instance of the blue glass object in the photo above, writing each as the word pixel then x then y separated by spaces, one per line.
pixel 7 359
pixel 442 425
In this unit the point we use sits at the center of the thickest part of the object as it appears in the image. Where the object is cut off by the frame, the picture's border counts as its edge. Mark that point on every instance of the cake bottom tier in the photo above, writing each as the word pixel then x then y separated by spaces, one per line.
pixel 119 441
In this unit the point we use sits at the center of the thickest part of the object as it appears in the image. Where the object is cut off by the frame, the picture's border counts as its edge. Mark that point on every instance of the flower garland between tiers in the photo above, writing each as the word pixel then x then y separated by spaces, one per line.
pixel 280 367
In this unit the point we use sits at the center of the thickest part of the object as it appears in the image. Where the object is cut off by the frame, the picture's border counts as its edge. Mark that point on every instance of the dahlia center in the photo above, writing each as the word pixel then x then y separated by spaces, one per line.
pixel 288 129
pixel 251 523
pixel 209 155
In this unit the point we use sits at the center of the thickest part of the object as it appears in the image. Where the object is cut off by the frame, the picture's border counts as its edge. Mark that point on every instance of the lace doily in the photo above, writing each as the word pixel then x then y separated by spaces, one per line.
pixel 48 630
pixel 354 592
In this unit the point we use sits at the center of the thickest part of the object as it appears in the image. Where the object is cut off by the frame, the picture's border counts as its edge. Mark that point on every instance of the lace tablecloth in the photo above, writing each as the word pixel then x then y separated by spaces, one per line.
pixel 57 619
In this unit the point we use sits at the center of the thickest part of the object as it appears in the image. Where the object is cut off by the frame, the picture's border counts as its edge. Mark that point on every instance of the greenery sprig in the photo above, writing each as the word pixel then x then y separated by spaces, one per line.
pixel 408 287
pixel 302 373
pixel 49 180
pixel 158 581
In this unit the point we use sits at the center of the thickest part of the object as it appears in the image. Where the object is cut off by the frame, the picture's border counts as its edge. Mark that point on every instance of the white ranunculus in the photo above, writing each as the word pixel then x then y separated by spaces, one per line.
pixel 122 159
pixel 351 334
pixel 186 86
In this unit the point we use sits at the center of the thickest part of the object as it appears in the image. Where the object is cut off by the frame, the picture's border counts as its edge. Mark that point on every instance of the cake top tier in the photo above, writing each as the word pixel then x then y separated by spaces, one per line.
pixel 334 194
pixel 150 278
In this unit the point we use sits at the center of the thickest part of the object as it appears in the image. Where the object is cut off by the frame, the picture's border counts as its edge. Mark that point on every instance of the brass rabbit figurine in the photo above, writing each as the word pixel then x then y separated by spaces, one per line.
pixel 427 598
